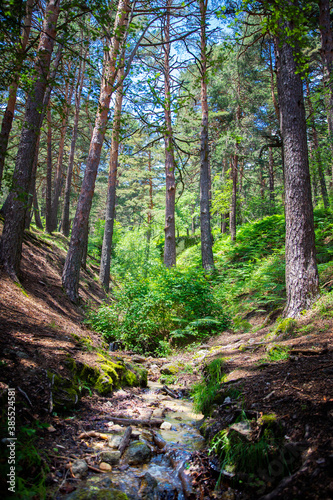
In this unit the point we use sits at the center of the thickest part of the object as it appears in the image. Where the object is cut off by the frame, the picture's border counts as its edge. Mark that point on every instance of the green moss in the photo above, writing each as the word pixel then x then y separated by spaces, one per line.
pixel 104 384
pixel 130 378
pixel 95 493
pixel 285 328
pixel 268 420
pixel 109 375
pixel 65 392
pixel 140 373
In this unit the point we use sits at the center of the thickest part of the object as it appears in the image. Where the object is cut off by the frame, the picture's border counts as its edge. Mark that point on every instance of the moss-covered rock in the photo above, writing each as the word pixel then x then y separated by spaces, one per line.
pixel 138 453
pixel 170 369
pixel 140 374
pixel 91 492
pixel 65 393
pixel 107 375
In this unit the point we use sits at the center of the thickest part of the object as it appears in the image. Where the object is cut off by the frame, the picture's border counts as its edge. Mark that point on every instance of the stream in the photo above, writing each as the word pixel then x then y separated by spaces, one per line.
pixel 162 473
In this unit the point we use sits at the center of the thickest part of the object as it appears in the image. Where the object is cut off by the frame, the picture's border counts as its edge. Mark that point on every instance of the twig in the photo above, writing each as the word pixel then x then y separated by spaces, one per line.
pixel 25 395
pixel 94 469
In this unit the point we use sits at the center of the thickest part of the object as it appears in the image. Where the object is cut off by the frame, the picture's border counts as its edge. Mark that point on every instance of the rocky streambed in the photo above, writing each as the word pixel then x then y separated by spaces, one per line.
pixel 139 449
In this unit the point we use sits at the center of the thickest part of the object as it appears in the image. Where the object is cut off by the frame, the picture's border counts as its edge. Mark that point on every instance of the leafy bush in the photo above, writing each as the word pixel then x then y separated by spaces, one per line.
pixel 166 306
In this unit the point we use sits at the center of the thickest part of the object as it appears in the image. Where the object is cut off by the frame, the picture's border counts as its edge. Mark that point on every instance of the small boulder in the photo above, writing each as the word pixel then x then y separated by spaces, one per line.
pixel 138 359
pixel 148 487
pixel 110 457
pixel 79 468
pixel 169 369
pixel 115 441
pixel 137 453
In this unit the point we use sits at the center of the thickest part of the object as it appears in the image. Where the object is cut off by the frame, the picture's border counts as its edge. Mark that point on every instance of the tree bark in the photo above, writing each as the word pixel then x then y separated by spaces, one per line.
pixel 48 204
pixel 104 272
pixel 71 272
pixel 59 175
pixel 233 206
pixel 8 116
pixel 317 155
pixel 11 244
pixel 78 92
pixel 38 220
pixel 326 38
pixel 302 281
pixel 28 214
pixel 206 235
pixel 170 181
pixel 271 179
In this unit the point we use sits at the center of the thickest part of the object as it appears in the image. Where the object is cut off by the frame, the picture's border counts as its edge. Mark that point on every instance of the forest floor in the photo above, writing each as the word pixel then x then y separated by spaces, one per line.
pixel 39 328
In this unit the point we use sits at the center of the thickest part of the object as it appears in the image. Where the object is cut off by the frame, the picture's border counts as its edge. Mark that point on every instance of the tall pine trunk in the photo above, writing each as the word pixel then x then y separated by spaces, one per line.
pixel 326 38
pixel 170 181
pixel 233 205
pixel 317 155
pixel 302 281
pixel 206 235
pixel 71 272
pixel 8 116
pixel 12 236
pixel 271 180
pixel 104 272
pixel 48 197
pixel 69 174
pixel 59 174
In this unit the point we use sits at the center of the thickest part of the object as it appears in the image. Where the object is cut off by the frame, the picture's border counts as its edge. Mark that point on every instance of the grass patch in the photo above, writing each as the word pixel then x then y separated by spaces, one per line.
pixel 206 391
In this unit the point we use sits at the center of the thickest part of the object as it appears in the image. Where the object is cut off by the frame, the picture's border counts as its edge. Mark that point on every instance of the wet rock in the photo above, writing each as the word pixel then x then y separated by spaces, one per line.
pixel 166 426
pixel 90 492
pixel 138 359
pixel 159 413
pixel 169 369
pixel 137 453
pixel 147 487
pixel 147 436
pixel 101 482
pixel 22 355
pixel 79 468
pixel 110 457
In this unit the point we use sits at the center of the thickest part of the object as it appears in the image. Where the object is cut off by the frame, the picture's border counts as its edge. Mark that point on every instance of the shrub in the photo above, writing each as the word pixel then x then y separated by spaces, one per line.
pixel 168 305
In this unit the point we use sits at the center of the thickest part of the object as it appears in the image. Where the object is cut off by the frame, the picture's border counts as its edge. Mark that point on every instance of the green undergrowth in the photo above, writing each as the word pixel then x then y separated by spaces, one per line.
pixel 251 271
pixel 254 452
pixel 167 307
pixel 156 309
pixel 204 393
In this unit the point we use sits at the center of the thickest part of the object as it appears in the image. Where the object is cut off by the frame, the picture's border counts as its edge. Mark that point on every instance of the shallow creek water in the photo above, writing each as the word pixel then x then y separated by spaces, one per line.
pixel 164 476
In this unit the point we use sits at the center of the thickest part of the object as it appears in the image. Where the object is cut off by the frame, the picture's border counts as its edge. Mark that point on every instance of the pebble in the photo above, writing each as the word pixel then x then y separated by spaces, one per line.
pixel 105 467
pixel 166 426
